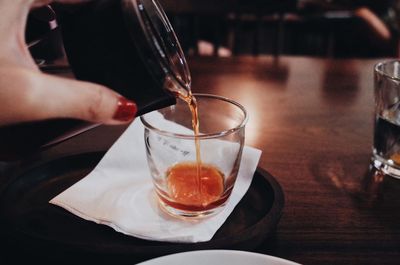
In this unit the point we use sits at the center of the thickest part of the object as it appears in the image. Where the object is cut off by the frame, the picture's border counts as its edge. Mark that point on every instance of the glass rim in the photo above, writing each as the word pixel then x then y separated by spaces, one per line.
pixel 208 135
pixel 383 73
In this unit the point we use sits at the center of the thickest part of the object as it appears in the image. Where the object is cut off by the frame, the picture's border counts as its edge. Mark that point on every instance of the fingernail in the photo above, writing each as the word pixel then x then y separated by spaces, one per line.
pixel 126 110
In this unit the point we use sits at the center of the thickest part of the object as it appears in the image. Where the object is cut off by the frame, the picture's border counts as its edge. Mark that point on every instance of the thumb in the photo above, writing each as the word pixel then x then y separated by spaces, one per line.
pixel 87 101
pixel 38 96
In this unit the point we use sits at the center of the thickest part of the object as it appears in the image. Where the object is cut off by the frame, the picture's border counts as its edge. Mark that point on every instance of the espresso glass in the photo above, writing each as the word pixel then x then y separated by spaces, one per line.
pixel 187 183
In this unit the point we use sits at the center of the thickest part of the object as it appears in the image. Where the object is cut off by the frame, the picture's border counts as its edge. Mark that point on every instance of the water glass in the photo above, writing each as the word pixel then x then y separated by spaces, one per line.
pixel 386 148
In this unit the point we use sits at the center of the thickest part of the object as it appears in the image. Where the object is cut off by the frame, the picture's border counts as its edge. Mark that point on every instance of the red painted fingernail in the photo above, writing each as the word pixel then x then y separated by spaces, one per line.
pixel 126 110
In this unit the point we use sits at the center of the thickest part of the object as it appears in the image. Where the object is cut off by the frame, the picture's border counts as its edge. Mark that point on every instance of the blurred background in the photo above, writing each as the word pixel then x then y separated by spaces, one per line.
pixel 324 28
pixel 320 28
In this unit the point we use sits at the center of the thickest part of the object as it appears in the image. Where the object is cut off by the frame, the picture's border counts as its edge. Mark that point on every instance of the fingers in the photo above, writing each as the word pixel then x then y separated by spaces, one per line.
pixel 30 96
pixel 82 100
pixel 86 101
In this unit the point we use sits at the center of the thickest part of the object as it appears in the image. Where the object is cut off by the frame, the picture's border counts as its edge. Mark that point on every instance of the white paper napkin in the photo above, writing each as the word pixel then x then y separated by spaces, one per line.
pixel 119 193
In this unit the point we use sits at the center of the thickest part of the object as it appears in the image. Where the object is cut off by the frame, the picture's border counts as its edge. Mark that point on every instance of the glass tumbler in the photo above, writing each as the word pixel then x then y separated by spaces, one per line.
pixel 193 176
pixel 386 149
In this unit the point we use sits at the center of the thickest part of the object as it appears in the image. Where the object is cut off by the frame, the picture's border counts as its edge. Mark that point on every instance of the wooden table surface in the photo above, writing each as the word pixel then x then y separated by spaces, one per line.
pixel 313 120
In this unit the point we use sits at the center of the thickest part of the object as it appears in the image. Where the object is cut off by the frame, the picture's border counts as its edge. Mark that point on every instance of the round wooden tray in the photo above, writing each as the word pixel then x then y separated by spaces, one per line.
pixel 33 230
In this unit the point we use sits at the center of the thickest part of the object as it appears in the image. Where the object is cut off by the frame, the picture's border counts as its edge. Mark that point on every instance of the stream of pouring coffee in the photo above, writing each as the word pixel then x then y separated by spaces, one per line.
pixel 187 96
pixel 195 186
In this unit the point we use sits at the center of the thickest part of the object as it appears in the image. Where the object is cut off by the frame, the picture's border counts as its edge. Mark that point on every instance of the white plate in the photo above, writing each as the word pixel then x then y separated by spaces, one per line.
pixel 218 257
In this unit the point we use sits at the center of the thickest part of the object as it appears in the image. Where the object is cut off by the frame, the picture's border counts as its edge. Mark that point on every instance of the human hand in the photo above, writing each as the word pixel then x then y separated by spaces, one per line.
pixel 27 94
